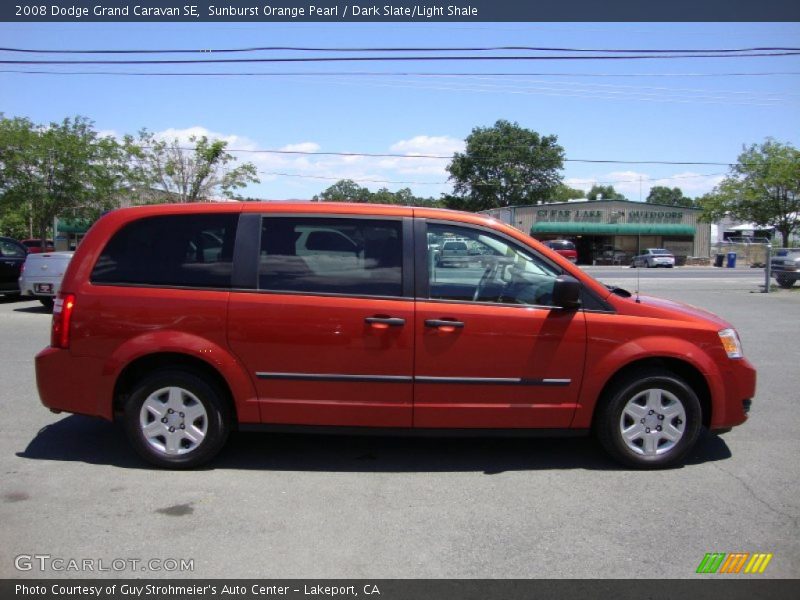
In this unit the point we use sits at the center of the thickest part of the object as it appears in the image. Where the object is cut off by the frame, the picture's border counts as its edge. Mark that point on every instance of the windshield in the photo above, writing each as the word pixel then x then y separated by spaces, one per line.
pixel 558 245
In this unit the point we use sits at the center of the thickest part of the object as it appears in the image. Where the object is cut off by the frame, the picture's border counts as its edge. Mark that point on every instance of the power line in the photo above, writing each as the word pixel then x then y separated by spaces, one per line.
pixel 359 180
pixel 485 151
pixel 583 90
pixel 405 49
pixel 574 181
pixel 397 74
pixel 327 59
pixel 450 156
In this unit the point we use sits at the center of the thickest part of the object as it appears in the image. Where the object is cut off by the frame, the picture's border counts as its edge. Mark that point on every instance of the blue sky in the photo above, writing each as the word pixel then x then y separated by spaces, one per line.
pixel 659 110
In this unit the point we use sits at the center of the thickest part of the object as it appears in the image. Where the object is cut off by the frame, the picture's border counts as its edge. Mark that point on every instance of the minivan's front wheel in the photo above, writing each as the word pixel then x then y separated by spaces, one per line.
pixel 176 419
pixel 649 420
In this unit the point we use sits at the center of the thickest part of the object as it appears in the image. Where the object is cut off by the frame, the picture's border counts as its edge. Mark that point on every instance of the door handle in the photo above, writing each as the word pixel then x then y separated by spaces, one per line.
pixel 446 325
pixel 385 322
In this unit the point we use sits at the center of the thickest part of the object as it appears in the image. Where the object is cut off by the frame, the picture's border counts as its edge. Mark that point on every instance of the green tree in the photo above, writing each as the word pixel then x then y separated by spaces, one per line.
pixel 604 192
pixel 384 196
pixel 59 170
pixel 505 165
pixel 563 192
pixel 165 170
pixel 660 194
pixel 344 190
pixel 402 196
pixel 763 188
pixel 14 222
pixel 347 190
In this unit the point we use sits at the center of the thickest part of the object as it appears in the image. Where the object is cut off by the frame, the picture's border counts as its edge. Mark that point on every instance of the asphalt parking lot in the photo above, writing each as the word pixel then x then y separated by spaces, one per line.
pixel 282 506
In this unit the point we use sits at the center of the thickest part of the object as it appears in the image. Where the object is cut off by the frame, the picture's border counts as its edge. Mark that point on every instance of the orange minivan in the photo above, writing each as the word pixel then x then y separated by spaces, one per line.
pixel 188 321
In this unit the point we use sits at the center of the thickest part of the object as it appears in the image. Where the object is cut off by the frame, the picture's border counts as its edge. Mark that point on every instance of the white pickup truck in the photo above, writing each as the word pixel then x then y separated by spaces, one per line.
pixel 42 274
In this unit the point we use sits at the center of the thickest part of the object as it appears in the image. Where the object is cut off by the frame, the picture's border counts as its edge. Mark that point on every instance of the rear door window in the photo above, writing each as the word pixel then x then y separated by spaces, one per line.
pixel 360 257
pixel 171 250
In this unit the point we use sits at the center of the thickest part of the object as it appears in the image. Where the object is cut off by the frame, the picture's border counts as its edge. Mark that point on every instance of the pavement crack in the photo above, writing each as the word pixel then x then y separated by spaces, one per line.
pixel 754 494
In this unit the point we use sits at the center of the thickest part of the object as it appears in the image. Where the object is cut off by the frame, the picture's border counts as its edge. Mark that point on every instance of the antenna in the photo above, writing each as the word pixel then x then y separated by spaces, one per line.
pixel 638 252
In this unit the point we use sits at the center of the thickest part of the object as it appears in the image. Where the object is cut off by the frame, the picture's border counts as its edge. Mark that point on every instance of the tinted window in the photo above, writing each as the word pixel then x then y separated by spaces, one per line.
pixel 335 256
pixel 497 271
pixel 174 250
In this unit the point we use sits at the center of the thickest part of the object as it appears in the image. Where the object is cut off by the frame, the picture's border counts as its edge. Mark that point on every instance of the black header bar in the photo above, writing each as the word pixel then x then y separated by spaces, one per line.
pixel 701 588
pixel 409 11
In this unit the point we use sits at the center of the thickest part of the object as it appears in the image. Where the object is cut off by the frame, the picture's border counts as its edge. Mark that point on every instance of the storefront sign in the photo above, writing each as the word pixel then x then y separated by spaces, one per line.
pixel 654 216
pixel 601 216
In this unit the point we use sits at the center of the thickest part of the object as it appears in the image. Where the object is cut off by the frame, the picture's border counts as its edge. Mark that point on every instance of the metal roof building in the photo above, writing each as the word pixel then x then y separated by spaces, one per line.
pixel 613 230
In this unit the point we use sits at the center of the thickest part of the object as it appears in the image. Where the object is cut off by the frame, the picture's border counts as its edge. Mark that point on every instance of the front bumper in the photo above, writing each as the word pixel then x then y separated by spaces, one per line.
pixel 740 388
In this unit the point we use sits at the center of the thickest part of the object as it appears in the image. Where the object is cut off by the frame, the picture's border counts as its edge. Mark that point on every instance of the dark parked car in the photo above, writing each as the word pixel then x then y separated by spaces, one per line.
pixel 785 266
pixel 612 256
pixel 12 257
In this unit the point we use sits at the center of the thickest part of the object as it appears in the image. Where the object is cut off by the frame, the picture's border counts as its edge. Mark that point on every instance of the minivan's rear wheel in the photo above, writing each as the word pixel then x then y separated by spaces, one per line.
pixel 176 419
pixel 649 420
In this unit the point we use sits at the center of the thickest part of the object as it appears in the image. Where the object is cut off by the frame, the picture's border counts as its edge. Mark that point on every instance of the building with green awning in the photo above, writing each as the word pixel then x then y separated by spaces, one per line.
pixel 73 226
pixel 69 232
pixel 613 231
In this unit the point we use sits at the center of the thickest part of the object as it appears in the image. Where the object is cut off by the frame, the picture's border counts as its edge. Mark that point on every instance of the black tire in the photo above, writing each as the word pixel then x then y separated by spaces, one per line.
pixel 784 281
pixel 637 435
pixel 183 438
pixel 47 302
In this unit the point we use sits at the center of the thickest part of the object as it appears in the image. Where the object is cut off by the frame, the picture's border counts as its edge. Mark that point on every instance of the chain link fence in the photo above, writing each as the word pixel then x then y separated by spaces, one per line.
pixel 749 252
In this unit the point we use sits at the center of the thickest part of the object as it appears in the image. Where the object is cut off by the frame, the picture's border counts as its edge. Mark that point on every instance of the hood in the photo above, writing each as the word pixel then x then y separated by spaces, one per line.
pixel 652 306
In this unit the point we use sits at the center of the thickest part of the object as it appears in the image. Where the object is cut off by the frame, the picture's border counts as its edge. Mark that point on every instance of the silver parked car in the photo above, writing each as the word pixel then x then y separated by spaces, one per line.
pixel 42 274
pixel 785 266
pixel 654 257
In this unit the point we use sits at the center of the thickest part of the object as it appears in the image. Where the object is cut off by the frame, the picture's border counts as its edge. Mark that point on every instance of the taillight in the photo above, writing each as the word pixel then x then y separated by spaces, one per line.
pixel 62 316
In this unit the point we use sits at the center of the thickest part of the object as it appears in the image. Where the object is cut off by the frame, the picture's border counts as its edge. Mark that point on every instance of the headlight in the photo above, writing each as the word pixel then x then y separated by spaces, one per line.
pixel 731 344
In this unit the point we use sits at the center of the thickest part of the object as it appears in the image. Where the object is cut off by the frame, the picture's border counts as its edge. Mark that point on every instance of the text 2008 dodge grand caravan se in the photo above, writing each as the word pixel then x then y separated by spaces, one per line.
pixel 188 321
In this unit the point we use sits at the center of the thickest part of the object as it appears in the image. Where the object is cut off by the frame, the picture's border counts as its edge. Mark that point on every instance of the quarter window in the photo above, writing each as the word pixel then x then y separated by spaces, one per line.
pixel 361 257
pixel 171 250
pixel 466 264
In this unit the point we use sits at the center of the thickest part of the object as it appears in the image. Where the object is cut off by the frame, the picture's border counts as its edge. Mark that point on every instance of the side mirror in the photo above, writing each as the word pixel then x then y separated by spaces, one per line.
pixel 567 292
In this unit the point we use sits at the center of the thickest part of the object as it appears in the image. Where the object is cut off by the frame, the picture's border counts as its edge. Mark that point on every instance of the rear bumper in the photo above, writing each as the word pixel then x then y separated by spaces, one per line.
pixel 454 260
pixel 71 384
pixel 28 286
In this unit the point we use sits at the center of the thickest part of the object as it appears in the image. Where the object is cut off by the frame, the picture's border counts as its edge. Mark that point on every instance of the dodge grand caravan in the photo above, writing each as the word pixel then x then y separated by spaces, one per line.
pixel 185 322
